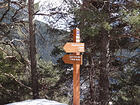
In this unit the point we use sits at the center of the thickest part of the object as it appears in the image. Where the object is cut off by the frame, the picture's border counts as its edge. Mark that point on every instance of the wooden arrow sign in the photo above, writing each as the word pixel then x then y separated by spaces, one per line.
pixel 74 47
pixel 72 59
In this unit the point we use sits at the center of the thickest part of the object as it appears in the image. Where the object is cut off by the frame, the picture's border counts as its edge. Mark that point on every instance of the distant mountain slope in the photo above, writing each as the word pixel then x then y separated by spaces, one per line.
pixel 47 38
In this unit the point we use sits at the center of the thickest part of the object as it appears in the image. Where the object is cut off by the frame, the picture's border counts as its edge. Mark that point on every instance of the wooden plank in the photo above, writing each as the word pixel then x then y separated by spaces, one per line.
pixel 72 59
pixel 74 47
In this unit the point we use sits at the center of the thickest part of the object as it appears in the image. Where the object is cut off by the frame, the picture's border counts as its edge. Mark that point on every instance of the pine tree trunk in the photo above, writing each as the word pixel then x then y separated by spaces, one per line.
pixel 34 75
pixel 91 80
pixel 104 68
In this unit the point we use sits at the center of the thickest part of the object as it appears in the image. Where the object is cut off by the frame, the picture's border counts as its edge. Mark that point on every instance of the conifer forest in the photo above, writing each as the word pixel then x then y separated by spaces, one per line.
pixel 33 37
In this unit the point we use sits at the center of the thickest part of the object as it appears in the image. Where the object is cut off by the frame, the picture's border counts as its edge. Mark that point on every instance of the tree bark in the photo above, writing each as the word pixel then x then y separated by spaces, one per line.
pixel 34 75
pixel 104 68
pixel 91 80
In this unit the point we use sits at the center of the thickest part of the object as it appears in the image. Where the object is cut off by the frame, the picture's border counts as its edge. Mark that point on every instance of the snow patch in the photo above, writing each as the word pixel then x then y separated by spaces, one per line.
pixel 37 102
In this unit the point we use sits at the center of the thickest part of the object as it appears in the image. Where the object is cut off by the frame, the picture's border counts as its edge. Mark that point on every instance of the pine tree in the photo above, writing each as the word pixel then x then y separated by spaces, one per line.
pixel 34 74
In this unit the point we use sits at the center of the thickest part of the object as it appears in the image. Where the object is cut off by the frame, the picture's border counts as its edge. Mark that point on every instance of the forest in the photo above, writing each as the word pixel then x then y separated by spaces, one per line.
pixel 32 36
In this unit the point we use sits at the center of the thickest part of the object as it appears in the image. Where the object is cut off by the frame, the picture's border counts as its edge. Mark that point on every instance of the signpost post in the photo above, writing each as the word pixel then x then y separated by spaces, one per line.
pixel 76 59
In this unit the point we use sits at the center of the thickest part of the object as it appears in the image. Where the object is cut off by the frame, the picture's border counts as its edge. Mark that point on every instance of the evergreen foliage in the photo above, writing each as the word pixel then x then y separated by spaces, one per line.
pixel 111 64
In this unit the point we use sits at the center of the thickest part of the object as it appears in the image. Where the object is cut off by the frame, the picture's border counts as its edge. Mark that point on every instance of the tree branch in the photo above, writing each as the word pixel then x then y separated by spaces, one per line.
pixel 19 82
pixel 5 13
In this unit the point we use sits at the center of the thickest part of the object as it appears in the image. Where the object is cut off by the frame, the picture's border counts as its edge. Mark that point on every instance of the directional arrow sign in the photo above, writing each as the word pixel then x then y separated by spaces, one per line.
pixel 74 47
pixel 72 59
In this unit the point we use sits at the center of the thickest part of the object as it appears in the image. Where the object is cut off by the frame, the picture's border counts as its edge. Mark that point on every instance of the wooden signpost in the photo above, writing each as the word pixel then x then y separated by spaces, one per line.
pixel 75 47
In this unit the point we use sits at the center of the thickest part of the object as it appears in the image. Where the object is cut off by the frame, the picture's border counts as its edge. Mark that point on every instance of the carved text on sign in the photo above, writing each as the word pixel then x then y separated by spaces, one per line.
pixel 72 59
pixel 74 47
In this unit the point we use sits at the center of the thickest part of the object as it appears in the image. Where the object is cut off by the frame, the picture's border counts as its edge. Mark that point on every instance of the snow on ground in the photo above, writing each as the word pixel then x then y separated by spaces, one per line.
pixel 37 102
